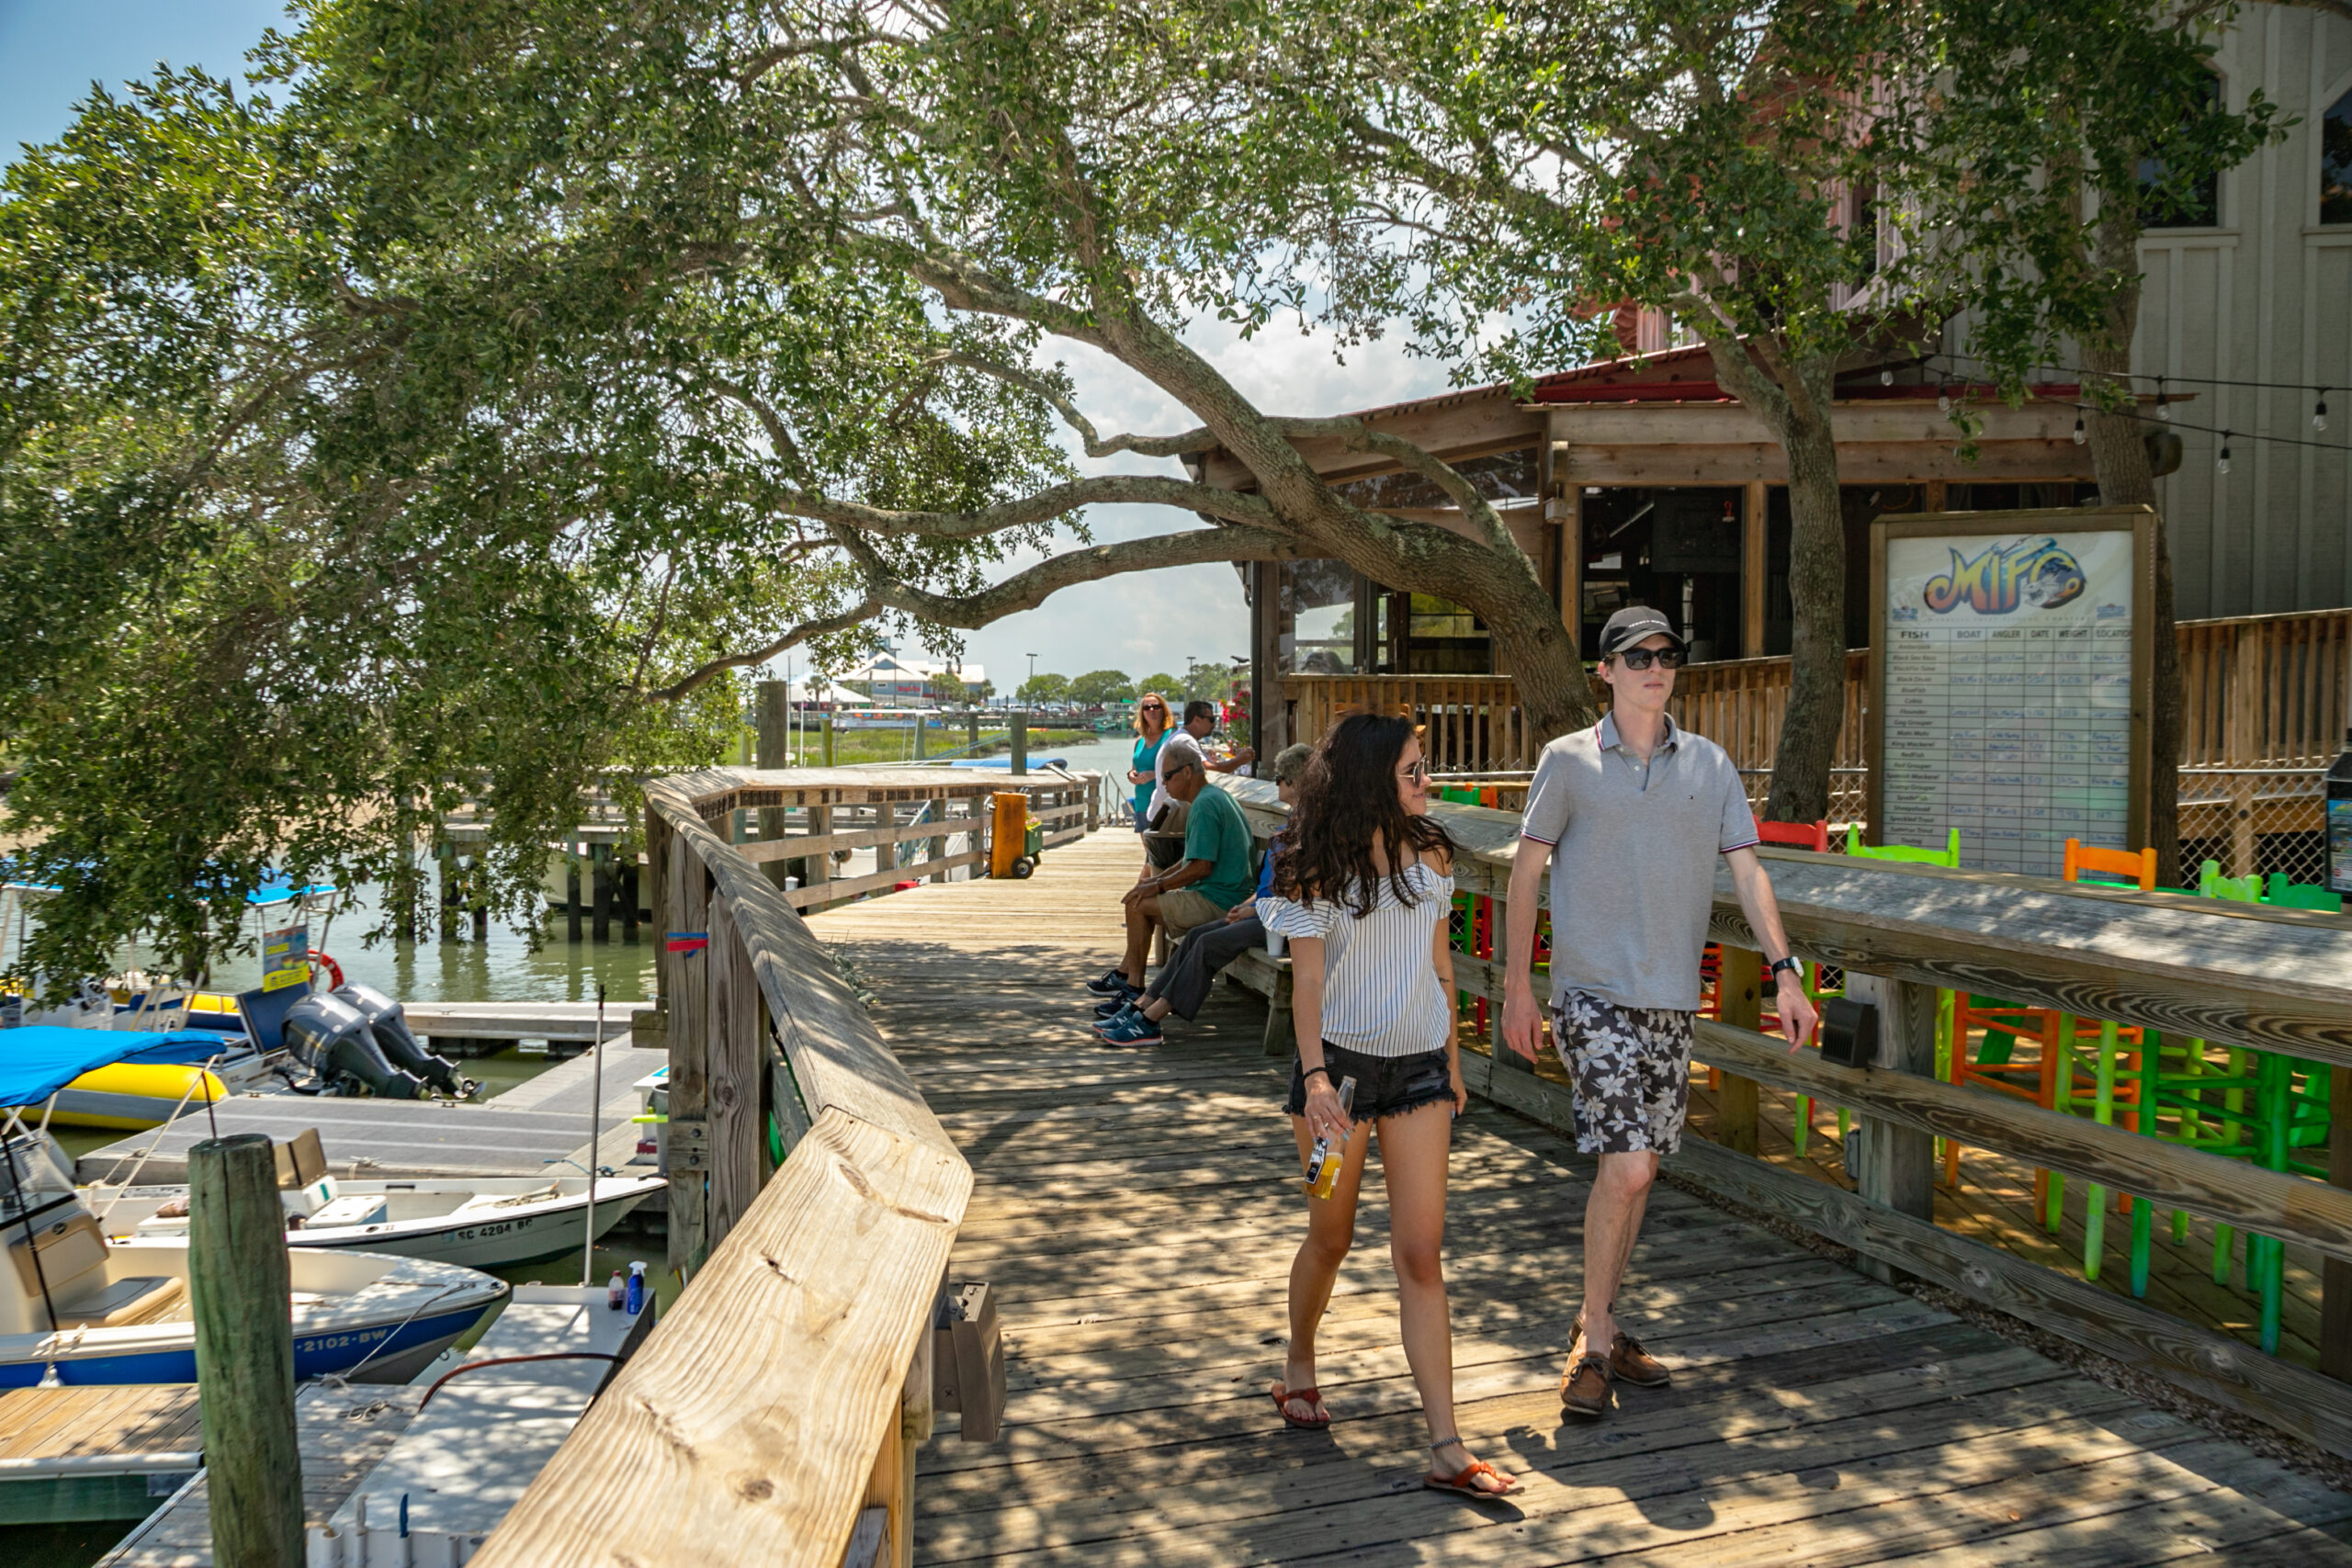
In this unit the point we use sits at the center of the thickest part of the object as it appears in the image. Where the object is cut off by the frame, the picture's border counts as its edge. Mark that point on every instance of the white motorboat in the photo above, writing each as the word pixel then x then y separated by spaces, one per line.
pixel 484 1222
pixel 79 1308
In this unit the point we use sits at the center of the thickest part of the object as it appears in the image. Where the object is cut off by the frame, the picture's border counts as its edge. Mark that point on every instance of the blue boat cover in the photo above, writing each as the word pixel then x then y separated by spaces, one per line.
pixel 41 1058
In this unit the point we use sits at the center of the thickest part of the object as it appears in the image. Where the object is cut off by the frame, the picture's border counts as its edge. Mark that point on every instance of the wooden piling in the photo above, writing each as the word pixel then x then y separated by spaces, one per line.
pixel 1018 723
pixel 243 1298
pixel 774 707
pixel 1739 1002
pixel 601 925
pixel 571 892
pixel 444 855
pixel 477 899
pixel 624 887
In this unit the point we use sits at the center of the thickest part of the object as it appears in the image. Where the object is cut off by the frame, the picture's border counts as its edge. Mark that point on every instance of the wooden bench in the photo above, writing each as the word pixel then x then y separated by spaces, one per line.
pixel 1269 978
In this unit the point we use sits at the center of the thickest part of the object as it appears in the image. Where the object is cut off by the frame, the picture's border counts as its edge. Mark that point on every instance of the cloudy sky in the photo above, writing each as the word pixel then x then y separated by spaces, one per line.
pixel 51 50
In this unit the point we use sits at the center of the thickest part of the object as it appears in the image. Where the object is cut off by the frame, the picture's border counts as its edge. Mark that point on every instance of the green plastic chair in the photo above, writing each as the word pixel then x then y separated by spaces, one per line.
pixel 2285 894
pixel 1948 857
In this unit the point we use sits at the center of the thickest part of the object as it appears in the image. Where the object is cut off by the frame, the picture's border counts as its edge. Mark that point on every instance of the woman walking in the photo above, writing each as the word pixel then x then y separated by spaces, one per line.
pixel 1363 891
pixel 1151 729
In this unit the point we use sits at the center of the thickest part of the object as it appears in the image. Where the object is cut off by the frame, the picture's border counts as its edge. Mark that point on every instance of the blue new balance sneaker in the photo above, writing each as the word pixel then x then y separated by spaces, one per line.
pixel 1117 1016
pixel 1111 983
pixel 1113 1007
pixel 1131 1029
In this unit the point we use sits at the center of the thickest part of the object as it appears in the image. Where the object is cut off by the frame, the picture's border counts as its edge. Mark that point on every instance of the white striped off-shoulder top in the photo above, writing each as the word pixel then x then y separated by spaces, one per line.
pixel 1380 991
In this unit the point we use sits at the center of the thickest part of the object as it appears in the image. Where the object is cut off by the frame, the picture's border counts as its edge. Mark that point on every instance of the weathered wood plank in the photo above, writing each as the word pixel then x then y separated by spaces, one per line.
pixel 723 1445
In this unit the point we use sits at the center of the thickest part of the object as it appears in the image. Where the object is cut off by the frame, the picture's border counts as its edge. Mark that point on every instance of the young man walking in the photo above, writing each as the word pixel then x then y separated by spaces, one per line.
pixel 1631 815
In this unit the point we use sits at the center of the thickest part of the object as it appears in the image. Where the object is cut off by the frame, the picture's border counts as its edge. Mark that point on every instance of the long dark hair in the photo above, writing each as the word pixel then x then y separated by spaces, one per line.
pixel 1346 801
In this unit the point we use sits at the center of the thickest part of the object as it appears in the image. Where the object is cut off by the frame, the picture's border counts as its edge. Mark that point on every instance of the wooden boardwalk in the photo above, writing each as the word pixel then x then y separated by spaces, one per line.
pixel 1137 1210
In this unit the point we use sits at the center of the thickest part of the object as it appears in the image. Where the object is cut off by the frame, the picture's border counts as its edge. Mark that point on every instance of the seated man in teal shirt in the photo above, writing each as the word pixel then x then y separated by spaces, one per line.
pixel 1213 876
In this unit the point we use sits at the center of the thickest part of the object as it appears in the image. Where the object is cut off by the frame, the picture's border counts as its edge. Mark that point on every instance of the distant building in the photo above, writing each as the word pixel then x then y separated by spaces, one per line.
pixel 892 680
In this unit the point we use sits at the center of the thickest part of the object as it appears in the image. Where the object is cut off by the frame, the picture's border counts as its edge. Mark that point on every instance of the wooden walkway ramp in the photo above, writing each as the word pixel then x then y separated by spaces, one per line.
pixel 1136 1212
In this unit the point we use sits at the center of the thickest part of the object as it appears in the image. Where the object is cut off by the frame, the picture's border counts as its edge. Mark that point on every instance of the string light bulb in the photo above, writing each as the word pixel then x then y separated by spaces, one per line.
pixel 2080 434
pixel 2319 412
pixel 2163 409
pixel 1887 378
pixel 1943 398
pixel 2221 464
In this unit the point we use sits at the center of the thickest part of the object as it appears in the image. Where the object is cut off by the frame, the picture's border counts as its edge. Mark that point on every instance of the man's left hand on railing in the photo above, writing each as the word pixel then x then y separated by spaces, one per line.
pixel 1797 1013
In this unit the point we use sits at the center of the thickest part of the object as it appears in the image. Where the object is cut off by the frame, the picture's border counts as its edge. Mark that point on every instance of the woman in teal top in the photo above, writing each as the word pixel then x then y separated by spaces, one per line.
pixel 1151 728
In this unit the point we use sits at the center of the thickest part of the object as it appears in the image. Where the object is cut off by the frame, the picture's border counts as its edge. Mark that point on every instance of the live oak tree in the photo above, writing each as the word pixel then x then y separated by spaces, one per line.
pixel 2079 127
pixel 1717 160
pixel 428 429
pixel 1097 687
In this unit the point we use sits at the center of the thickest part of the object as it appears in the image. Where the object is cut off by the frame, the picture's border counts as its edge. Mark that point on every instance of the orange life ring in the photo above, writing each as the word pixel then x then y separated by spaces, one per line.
pixel 334 971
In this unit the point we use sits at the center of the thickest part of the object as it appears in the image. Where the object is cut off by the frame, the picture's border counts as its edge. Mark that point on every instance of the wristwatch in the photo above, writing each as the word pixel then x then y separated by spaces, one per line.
pixel 1791 965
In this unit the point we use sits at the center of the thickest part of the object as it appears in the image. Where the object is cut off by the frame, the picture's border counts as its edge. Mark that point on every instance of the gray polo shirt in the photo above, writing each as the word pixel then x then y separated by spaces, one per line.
pixel 1634 860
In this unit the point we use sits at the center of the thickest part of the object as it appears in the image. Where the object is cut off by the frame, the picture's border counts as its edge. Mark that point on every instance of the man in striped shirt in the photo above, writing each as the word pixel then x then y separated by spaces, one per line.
pixel 1632 815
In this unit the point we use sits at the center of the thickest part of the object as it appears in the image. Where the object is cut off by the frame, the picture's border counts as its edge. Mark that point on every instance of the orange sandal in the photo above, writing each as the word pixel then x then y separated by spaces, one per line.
pixel 1283 1396
pixel 1464 1483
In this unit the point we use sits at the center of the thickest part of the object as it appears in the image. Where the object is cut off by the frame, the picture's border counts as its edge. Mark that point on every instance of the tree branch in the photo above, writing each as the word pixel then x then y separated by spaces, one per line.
pixel 1096 445
pixel 823 625
pixel 1027 590
pixel 1044 506
pixel 1444 476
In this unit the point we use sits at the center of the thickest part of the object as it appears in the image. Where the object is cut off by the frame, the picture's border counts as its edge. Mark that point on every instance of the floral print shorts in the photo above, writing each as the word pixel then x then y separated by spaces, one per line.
pixel 1630 1068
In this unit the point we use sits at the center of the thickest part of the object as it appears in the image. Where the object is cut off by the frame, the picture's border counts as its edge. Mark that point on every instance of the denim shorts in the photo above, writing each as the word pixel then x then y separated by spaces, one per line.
pixel 1385 1086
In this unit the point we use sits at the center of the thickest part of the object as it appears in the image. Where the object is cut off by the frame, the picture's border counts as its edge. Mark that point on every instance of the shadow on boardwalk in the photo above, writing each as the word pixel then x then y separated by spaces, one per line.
pixel 1137 1211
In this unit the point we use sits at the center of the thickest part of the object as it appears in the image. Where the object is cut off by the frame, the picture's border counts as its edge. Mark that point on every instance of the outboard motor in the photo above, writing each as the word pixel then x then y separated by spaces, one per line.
pixel 402 1048
pixel 330 1035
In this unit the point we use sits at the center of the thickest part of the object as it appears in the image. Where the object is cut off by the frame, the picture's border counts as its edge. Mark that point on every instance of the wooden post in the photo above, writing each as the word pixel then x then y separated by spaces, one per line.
pixel 687 1142
pixel 731 1069
pixel 572 909
pixel 2336 1275
pixel 1755 569
pixel 817 869
pixel 241 1294
pixel 1017 726
pixel 825 736
pixel 1739 1002
pixel 776 717
pixel 1571 548
pixel 657 865
pixel 601 872
pixel 625 889
pixel 445 855
pixel 922 739
pixel 972 730
pixel 1898 1165
pixel 476 898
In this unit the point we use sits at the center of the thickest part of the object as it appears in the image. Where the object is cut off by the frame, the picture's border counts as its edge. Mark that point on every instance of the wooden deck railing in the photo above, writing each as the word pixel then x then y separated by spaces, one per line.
pixel 2262 691
pixel 784 1394
pixel 807 814
pixel 2273 980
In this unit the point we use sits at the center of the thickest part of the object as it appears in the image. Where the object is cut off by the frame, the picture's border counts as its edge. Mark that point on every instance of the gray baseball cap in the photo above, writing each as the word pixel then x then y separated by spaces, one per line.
pixel 1632 624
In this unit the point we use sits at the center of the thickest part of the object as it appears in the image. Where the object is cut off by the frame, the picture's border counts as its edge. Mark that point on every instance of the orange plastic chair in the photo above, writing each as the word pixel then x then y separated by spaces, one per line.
pixel 2138 866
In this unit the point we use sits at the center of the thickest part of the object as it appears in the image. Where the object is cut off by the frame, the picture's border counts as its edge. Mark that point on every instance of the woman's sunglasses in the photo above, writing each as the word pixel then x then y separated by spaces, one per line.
pixel 1414 771
pixel 1639 658
pixel 1154 707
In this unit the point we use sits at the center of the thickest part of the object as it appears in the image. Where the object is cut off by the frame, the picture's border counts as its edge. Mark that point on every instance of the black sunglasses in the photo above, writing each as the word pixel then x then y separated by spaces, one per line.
pixel 1639 658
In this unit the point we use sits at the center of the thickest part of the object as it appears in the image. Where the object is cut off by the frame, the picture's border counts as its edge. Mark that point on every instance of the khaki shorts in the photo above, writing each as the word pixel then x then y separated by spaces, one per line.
pixel 1181 909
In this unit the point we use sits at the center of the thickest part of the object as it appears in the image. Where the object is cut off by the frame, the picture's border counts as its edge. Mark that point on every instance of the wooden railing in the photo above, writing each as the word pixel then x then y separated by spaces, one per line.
pixel 2262 690
pixel 780 1401
pixel 807 814
pixel 2273 980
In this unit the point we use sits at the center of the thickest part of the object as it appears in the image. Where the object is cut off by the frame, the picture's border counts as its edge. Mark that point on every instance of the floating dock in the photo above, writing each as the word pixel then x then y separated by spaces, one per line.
pixel 459 1460
pixel 524 1131
pixel 558 1023
pixel 111 1452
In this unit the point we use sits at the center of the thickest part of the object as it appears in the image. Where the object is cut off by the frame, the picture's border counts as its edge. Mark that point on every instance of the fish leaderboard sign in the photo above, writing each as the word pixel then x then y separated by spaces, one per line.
pixel 2009 681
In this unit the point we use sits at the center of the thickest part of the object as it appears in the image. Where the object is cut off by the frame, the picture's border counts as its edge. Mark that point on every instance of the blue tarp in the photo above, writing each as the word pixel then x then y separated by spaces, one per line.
pixel 41 1058
pixel 1004 764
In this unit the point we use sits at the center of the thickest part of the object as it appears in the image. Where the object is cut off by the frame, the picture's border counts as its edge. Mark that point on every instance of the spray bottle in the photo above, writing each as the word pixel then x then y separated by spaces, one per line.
pixel 1323 1164
pixel 637 1287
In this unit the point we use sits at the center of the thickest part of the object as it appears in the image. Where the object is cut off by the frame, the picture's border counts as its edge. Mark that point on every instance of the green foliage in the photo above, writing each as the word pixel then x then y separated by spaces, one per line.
pixel 1043 687
pixel 1169 687
pixel 343 474
pixel 1098 688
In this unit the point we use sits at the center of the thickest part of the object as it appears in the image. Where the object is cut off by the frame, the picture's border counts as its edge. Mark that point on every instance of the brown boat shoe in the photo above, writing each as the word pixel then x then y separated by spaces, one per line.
pixel 1634 1365
pixel 1584 1387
